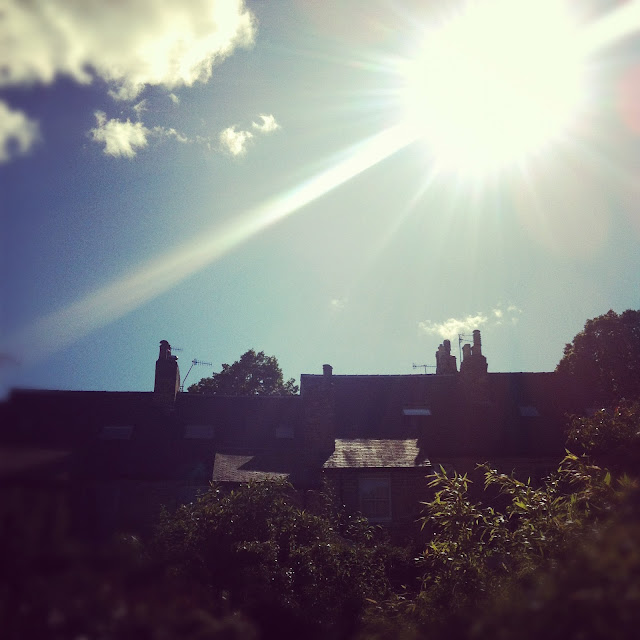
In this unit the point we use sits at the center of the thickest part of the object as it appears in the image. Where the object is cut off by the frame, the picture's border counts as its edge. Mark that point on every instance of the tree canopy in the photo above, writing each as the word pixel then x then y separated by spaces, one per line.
pixel 253 374
pixel 605 357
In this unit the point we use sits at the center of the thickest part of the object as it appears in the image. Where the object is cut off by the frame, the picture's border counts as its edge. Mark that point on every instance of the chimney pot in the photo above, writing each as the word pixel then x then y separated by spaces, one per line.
pixel 327 370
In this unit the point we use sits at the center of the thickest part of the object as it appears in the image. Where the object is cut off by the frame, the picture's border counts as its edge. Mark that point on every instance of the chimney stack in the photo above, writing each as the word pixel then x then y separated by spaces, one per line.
pixel 473 369
pixel 445 362
pixel 477 343
pixel 473 364
pixel 167 382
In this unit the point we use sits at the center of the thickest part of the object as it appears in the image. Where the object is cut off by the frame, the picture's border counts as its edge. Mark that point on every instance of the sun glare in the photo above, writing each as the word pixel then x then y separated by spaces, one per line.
pixel 495 83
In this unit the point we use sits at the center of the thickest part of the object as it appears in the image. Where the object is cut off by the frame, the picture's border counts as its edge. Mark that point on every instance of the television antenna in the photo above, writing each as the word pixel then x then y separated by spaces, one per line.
pixel 463 337
pixel 426 366
pixel 194 362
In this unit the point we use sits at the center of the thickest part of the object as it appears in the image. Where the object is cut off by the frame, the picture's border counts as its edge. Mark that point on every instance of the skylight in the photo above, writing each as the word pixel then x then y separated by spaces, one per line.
pixel 116 432
pixel 417 411
pixel 199 432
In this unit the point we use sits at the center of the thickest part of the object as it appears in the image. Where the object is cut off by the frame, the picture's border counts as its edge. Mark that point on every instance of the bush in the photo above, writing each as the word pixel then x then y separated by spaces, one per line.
pixel 255 547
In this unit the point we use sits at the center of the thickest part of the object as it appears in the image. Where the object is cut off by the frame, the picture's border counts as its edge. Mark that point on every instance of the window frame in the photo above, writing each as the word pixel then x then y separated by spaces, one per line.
pixel 375 508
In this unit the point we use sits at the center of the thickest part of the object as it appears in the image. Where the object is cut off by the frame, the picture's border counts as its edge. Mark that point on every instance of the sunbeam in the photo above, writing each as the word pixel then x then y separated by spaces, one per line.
pixel 61 328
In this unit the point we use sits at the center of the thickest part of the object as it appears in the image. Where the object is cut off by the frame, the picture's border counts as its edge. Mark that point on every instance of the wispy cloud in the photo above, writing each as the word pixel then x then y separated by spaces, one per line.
pixel 18 133
pixel 170 132
pixel 234 141
pixel 174 98
pixel 337 304
pixel 129 44
pixel 140 108
pixel 267 125
pixel 453 326
pixel 120 138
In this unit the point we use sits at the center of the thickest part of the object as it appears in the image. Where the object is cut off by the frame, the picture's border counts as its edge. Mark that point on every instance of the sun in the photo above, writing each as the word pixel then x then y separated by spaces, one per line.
pixel 496 83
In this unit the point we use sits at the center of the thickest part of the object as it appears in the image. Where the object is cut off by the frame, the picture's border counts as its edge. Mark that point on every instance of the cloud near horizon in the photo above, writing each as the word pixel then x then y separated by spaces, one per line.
pixel 18 133
pixel 453 326
pixel 129 44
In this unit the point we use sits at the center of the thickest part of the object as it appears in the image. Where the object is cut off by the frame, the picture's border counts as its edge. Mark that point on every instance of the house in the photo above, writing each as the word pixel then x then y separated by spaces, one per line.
pixel 374 438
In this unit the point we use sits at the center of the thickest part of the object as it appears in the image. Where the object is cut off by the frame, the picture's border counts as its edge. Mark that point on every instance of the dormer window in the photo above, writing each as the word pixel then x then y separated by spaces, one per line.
pixel 416 411
pixel 528 411
pixel 199 432
pixel 284 432
pixel 116 432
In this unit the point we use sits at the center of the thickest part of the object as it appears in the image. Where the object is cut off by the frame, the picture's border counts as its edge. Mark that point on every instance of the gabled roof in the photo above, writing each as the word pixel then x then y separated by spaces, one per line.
pixel 369 453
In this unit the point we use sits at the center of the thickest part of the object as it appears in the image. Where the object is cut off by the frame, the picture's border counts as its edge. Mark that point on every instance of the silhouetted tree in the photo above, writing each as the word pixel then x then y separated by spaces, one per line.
pixel 255 374
pixel 604 358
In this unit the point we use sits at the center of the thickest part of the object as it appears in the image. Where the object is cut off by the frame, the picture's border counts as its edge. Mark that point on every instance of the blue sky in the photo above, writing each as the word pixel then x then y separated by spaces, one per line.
pixel 302 178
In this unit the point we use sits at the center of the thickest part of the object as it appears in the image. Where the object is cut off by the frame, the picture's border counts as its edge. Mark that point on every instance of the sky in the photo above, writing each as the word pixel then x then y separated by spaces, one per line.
pixel 328 182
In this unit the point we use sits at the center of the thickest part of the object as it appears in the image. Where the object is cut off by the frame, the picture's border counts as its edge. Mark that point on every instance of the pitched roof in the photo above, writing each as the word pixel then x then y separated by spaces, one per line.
pixel 302 469
pixel 370 453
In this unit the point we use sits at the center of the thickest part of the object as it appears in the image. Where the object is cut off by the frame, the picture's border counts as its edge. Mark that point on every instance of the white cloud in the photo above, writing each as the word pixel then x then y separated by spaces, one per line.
pixel 337 304
pixel 120 138
pixel 18 133
pixel 453 326
pixel 267 125
pixel 174 98
pixel 130 44
pixel 234 141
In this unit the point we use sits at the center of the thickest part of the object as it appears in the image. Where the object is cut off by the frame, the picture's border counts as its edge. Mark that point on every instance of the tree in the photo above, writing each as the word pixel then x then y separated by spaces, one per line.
pixel 604 358
pixel 255 374
pixel 278 563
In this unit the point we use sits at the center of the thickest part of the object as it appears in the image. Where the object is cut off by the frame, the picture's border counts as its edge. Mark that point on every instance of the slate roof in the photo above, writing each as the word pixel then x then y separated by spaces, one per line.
pixel 300 468
pixel 370 453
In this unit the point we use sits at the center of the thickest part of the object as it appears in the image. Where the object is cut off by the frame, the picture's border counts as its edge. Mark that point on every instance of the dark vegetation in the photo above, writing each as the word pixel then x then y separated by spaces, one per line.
pixel 556 560
pixel 253 374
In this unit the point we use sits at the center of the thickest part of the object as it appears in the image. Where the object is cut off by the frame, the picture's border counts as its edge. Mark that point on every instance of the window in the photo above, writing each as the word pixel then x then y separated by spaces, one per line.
pixel 199 432
pixel 283 432
pixel 417 411
pixel 116 432
pixel 528 411
pixel 375 499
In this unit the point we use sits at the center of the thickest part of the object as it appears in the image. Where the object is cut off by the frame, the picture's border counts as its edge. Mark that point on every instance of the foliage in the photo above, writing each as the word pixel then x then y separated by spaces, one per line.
pixel 605 357
pixel 612 437
pixel 253 374
pixel 478 551
pixel 262 552
pixel 588 590
pixel 113 591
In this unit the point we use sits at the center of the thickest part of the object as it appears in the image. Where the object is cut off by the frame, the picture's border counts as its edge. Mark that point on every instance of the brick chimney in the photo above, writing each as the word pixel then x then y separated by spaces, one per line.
pixel 445 362
pixel 473 369
pixel 318 400
pixel 167 382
